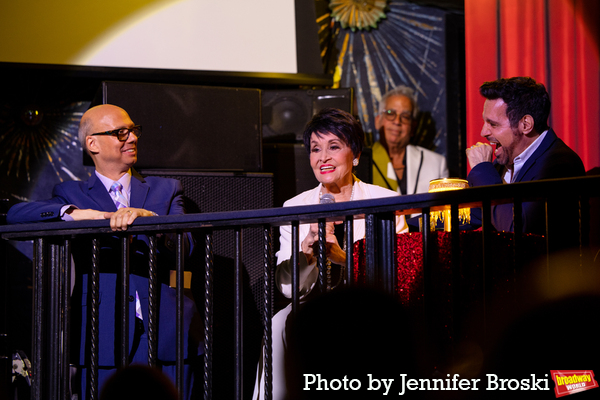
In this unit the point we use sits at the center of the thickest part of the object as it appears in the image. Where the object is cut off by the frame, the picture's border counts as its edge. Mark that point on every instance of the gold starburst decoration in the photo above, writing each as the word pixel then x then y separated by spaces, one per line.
pixel 358 14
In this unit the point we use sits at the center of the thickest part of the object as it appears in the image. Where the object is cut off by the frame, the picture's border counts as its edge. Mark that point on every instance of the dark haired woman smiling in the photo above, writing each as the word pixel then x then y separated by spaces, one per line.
pixel 334 141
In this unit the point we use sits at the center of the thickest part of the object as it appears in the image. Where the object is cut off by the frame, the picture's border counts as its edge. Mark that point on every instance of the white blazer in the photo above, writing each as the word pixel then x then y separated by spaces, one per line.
pixel 309 273
pixel 422 166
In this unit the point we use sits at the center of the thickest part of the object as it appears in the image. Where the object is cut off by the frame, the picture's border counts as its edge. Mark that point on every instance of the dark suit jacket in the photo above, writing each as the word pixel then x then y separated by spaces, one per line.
pixel 161 195
pixel 553 159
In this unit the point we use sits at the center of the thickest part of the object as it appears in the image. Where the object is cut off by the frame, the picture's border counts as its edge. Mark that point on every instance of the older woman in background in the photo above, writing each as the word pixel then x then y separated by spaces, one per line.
pixel 334 141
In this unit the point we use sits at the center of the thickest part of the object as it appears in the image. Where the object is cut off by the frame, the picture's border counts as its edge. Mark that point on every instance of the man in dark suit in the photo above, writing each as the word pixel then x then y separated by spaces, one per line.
pixel 515 117
pixel 118 193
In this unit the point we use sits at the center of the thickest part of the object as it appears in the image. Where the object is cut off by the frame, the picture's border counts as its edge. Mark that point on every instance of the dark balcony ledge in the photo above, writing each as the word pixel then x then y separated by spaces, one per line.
pixel 409 204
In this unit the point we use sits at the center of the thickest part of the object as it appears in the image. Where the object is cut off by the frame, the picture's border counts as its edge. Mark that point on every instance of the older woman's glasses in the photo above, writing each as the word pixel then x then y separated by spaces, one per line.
pixel 122 133
pixel 391 115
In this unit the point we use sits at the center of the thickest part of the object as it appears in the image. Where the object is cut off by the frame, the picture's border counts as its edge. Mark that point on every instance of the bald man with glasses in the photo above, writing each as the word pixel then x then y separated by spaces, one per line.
pixel 109 136
pixel 116 192
pixel 398 165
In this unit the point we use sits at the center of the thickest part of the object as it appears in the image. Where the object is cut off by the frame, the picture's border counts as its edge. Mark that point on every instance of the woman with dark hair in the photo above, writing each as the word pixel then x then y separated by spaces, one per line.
pixel 334 141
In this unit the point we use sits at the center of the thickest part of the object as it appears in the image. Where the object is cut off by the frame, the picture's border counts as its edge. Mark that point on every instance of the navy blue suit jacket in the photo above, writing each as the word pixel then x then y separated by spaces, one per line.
pixel 161 195
pixel 553 159
pixel 164 197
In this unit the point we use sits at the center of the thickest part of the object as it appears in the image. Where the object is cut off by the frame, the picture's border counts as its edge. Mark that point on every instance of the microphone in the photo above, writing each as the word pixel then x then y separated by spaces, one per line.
pixel 327 198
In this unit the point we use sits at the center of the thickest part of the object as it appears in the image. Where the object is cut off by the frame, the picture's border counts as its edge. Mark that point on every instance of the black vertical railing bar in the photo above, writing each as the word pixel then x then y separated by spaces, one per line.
pixel 518 214
pixel 455 275
pixel 39 325
pixel 267 311
pixel 518 248
pixel 94 290
pixel 548 242
pixel 65 318
pixel 179 278
pixel 294 259
pixel 153 302
pixel 486 275
pixel 238 325
pixel 321 256
pixel 349 236
pixel 208 314
pixel 53 360
pixel 584 241
pixel 124 303
pixel 585 248
pixel 370 249
pixel 5 352
pixel 387 263
pixel 426 234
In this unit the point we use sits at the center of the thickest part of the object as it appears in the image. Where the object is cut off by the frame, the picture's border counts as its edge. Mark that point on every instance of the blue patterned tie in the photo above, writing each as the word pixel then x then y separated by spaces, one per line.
pixel 121 202
pixel 117 194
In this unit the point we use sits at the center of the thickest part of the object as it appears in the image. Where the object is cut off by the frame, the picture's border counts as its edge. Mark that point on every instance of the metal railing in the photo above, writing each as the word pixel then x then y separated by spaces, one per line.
pixel 52 269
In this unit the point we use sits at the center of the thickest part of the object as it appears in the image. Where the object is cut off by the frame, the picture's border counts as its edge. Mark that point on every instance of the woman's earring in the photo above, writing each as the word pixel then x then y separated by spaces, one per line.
pixel 355 162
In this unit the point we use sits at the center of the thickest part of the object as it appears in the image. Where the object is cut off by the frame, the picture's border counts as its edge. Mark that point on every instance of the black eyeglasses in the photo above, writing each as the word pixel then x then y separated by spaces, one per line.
pixel 122 133
pixel 391 115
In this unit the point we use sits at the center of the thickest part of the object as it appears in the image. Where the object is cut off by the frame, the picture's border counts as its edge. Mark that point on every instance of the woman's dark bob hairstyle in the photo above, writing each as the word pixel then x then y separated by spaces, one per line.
pixel 339 123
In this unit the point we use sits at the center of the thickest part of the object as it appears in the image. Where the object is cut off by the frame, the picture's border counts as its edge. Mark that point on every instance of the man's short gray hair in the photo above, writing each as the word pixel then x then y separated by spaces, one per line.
pixel 401 90
pixel 85 128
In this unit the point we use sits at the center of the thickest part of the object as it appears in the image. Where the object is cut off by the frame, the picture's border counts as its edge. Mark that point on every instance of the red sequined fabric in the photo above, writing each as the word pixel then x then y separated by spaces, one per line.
pixel 409 261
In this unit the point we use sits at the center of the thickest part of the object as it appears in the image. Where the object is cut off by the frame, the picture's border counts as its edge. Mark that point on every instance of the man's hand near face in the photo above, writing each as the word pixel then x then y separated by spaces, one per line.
pixel 478 153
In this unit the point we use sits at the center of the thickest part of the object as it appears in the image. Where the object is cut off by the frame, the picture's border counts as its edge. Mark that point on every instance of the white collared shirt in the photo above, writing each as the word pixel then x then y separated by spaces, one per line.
pixel 522 158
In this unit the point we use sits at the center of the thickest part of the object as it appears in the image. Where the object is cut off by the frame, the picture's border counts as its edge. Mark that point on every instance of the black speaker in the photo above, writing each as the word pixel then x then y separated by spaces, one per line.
pixel 285 113
pixel 216 192
pixel 191 127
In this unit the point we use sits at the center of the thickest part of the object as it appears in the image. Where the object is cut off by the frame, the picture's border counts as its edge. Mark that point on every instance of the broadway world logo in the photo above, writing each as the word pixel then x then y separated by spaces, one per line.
pixel 571 381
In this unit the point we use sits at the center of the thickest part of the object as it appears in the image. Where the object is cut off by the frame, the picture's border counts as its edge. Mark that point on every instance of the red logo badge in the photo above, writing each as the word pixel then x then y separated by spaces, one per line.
pixel 572 381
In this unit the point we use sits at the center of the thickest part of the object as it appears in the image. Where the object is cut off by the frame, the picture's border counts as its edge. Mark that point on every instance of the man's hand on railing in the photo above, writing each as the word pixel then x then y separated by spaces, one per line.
pixel 119 220
pixel 122 218
pixel 478 153
pixel 81 215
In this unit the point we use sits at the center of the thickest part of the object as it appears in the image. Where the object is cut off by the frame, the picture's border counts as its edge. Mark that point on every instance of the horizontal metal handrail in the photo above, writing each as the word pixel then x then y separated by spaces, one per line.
pixel 409 204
